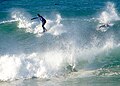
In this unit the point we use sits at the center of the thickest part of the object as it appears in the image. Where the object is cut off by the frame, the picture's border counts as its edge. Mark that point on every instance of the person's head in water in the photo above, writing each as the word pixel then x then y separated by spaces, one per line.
pixel 38 15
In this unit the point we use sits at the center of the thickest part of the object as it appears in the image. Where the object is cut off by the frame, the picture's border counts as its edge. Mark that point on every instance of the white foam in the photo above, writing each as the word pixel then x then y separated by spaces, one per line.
pixel 54 27
pixel 108 16
pixel 8 21
pixel 49 63
pixel 25 66
pixel 82 74
pixel 23 19
pixel 21 67
pixel 9 67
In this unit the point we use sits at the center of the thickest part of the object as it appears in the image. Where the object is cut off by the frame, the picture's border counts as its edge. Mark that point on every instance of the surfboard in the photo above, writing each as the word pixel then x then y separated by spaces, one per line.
pixel 42 32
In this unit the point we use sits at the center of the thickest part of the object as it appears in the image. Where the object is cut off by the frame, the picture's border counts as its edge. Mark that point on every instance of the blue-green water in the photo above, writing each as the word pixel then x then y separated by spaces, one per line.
pixel 73 42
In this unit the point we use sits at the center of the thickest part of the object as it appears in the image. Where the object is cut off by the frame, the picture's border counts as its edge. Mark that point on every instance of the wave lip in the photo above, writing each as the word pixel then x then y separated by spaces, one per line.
pixel 8 21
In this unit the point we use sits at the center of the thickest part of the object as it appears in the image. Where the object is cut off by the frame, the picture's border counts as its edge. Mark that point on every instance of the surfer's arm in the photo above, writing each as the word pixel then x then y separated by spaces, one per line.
pixel 34 18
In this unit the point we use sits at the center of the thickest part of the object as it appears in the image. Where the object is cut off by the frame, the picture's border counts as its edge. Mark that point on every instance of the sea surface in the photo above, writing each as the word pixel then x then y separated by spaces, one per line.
pixel 73 52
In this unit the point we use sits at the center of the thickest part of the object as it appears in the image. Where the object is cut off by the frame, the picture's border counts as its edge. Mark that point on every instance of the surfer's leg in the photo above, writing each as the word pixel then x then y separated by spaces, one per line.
pixel 101 26
pixel 44 29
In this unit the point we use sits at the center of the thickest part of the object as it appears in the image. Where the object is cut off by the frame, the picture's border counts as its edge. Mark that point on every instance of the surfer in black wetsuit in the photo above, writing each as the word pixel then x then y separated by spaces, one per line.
pixel 43 22
pixel 104 25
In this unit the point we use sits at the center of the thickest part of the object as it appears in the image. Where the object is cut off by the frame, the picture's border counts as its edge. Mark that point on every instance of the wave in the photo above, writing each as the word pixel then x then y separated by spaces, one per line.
pixel 50 63
pixel 68 44
pixel 24 21
pixel 108 16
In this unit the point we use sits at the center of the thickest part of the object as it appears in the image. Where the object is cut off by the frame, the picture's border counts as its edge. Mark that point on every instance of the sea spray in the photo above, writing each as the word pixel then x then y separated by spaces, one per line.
pixel 108 16
pixel 23 19
pixel 54 27
pixel 20 67
pixel 53 54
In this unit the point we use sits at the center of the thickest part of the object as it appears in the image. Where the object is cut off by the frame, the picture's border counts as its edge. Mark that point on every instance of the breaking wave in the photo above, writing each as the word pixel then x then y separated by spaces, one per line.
pixel 68 46
pixel 108 16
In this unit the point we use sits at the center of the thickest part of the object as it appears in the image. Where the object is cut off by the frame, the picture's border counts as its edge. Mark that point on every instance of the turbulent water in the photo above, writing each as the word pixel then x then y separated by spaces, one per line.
pixel 73 51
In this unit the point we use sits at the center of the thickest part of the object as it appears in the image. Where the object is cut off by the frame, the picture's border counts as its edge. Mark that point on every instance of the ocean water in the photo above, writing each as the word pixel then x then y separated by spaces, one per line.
pixel 73 52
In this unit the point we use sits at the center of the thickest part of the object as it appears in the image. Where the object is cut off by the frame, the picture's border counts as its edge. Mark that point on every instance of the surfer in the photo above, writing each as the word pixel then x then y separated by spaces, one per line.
pixel 43 21
pixel 71 68
pixel 104 25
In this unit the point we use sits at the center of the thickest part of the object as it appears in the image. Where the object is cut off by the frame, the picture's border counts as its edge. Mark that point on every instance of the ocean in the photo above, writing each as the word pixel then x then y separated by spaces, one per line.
pixel 73 52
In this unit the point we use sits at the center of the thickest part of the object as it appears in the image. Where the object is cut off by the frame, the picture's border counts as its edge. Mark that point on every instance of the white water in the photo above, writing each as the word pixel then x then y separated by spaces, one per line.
pixel 54 27
pixel 54 61
pixel 48 64
pixel 8 21
pixel 108 16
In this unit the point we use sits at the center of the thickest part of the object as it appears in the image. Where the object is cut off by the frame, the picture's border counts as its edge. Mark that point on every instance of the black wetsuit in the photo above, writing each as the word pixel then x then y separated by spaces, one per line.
pixel 43 23
pixel 105 25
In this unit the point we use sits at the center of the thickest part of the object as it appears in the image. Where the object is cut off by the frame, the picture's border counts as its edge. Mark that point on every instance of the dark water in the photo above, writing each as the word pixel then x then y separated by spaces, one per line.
pixel 73 40
pixel 94 81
